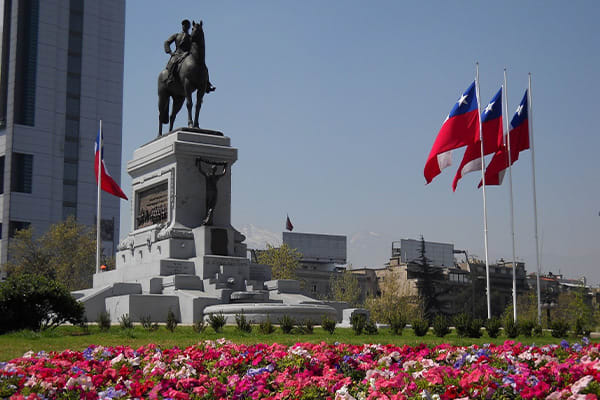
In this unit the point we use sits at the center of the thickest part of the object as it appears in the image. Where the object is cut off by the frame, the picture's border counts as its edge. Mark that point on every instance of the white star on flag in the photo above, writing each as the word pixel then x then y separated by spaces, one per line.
pixel 462 100
pixel 520 109
pixel 489 107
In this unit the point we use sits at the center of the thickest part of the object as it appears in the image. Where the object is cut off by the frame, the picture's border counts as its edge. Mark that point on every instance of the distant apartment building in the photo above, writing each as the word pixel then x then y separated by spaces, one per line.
pixel 455 282
pixel 323 256
pixel 61 72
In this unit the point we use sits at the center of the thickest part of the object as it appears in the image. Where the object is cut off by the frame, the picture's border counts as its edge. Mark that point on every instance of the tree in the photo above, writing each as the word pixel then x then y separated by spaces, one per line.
pixel 345 287
pixel 396 296
pixel 284 261
pixel 427 275
pixel 32 301
pixel 66 253
pixel 572 306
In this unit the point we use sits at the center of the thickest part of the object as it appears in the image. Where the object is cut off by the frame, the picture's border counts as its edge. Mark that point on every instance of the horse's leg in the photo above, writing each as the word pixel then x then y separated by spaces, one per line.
pixel 163 111
pixel 188 89
pixel 199 96
pixel 177 103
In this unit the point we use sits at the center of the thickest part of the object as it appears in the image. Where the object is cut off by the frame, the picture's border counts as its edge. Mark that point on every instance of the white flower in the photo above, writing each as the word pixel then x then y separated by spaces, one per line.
pixel 117 359
pixel 342 394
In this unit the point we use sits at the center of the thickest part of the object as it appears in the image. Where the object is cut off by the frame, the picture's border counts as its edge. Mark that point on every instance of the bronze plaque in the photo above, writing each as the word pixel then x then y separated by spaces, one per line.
pixel 153 206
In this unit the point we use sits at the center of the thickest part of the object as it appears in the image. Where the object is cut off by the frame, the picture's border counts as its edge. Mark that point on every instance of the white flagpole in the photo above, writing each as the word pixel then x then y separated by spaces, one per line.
pixel 98 210
pixel 535 216
pixel 512 212
pixel 485 229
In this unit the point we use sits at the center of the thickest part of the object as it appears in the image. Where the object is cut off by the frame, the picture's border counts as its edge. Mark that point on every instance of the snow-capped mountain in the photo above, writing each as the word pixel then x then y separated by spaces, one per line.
pixel 257 238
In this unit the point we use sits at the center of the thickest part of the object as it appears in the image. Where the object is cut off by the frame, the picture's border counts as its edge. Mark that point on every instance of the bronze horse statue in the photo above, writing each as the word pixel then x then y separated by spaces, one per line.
pixel 192 75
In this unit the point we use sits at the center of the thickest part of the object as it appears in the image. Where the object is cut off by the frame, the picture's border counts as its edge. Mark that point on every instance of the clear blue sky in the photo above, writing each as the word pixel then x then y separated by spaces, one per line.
pixel 334 106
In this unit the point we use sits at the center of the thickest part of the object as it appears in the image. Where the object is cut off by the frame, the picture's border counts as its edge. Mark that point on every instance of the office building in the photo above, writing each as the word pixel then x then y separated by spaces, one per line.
pixel 61 72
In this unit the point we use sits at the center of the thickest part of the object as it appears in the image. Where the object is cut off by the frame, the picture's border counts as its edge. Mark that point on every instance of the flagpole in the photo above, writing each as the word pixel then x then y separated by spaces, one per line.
pixel 98 210
pixel 512 210
pixel 535 216
pixel 485 229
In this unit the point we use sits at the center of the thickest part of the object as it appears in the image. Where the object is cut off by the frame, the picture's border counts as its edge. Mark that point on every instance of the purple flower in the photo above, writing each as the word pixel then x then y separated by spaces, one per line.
pixel 111 393
pixel 585 340
pixel 257 371
pixel 508 381
pixel 564 344
pixel 87 353
pixel 577 347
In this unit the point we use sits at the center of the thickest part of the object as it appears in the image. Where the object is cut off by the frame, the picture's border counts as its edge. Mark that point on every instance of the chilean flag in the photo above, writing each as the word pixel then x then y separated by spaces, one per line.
pixel 108 183
pixel 288 224
pixel 491 125
pixel 461 128
pixel 519 141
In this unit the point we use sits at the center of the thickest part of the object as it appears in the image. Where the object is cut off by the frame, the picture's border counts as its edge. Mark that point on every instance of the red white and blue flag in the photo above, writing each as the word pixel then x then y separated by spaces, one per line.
pixel 519 141
pixel 491 126
pixel 288 224
pixel 108 183
pixel 461 128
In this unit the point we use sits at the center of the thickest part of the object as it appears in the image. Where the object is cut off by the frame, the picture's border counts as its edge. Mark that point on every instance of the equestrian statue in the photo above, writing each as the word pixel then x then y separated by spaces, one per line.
pixel 185 73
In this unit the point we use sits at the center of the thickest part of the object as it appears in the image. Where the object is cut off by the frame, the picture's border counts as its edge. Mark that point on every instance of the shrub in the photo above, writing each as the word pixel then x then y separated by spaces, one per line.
pixel 462 324
pixel 171 321
pixel 125 322
pixel 397 323
pixel 328 324
pixel 147 323
pixel 420 326
pixel 559 329
pixel 371 328
pixel 266 327
pixel 525 327
pixel 441 326
pixel 200 326
pixel 243 325
pixel 475 328
pixel 308 326
pixel 104 321
pixel 492 327
pixel 358 322
pixel 216 321
pixel 537 330
pixel 37 303
pixel 510 328
pixel 286 323
pixel 581 328
pixel 84 325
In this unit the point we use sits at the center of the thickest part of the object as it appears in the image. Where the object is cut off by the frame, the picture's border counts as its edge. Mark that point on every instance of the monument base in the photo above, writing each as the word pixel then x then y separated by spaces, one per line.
pixel 171 260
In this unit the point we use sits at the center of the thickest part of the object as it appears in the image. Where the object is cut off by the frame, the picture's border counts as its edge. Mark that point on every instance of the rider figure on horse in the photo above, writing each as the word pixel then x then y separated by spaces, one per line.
pixel 183 43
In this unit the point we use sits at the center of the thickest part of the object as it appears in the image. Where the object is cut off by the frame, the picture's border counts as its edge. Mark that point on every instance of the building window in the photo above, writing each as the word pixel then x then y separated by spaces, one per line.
pixel 26 62
pixel 71 150
pixel 314 288
pixel 72 129
pixel 1 174
pixel 73 104
pixel 15 226
pixel 22 172
pixel 5 60
pixel 70 173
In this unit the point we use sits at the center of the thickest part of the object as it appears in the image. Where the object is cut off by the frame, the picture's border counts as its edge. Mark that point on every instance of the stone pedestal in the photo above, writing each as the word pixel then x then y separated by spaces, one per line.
pixel 174 260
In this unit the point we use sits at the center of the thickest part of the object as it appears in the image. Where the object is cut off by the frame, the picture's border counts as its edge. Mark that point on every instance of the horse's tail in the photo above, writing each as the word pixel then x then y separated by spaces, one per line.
pixel 163 99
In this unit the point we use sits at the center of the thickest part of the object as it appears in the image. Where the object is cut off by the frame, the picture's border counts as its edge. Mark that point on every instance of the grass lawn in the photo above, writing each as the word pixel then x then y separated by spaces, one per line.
pixel 15 344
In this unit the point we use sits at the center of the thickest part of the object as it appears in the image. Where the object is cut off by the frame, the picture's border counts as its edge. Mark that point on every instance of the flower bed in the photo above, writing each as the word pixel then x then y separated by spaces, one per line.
pixel 224 370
